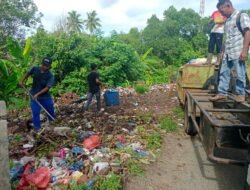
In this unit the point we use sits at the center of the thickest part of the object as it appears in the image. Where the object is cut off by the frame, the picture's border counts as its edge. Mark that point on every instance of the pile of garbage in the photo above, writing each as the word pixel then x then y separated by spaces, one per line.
pixel 80 149
pixel 80 162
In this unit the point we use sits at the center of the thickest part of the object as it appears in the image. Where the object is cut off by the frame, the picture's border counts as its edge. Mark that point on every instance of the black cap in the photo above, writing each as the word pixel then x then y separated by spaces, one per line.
pixel 47 61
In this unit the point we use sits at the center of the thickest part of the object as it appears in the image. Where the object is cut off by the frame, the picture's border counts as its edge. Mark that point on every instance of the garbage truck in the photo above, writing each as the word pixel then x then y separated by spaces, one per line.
pixel 224 126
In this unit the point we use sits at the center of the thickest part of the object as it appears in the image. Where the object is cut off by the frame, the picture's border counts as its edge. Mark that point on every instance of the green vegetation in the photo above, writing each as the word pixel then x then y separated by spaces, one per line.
pixel 154 140
pixel 151 55
pixel 168 124
pixel 141 89
pixel 12 68
pixel 74 186
pixel 179 112
pixel 144 116
pixel 135 168
pixel 112 182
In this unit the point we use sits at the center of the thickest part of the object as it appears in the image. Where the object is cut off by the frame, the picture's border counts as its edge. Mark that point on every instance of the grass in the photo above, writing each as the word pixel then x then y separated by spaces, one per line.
pixel 154 140
pixel 18 104
pixel 18 138
pixel 168 124
pixel 141 89
pixel 112 182
pixel 178 111
pixel 141 131
pixel 135 168
pixel 44 150
pixel 146 117
pixel 74 186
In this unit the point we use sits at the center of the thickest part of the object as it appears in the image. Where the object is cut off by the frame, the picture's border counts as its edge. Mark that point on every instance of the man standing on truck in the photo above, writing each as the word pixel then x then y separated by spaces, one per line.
pixel 216 36
pixel 235 53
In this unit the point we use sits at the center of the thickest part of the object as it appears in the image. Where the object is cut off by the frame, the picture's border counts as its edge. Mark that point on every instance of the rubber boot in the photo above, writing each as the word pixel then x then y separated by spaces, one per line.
pixel 209 58
pixel 218 59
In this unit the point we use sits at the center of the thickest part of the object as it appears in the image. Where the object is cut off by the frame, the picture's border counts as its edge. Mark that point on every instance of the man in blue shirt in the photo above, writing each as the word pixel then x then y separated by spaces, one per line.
pixel 43 80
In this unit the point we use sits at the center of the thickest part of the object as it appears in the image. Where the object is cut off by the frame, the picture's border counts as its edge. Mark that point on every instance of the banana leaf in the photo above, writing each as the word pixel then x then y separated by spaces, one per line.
pixel 14 48
pixel 26 51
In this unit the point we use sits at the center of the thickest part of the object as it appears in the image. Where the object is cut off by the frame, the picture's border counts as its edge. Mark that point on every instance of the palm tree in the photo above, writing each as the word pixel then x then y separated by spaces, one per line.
pixel 92 22
pixel 74 22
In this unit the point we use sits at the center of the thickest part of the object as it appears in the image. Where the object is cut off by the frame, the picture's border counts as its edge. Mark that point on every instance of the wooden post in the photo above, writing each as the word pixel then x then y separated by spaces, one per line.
pixel 4 150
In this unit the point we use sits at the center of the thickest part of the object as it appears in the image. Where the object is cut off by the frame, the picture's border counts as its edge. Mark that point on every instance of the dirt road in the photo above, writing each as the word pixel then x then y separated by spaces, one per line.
pixel 183 165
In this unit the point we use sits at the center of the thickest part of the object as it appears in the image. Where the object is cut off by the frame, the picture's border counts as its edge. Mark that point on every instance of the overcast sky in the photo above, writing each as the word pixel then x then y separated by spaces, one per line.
pixel 121 15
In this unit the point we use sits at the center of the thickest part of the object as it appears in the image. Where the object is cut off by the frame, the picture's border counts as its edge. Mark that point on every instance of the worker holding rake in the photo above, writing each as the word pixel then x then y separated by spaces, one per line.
pixel 43 80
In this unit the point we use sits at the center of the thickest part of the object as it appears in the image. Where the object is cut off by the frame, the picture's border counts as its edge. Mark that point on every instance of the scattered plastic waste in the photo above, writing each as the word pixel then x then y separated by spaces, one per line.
pixel 77 166
pixel 76 151
pixel 28 145
pixel 121 139
pixel 88 146
pixel 85 135
pixel 90 184
pixel 76 175
pixel 92 142
pixel 16 171
pixel 39 178
pixel 26 159
pixel 101 168
pixel 136 146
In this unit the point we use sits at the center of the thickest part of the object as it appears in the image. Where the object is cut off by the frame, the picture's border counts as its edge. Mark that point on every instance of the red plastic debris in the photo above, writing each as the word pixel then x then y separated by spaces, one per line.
pixel 121 139
pixel 38 178
pixel 92 142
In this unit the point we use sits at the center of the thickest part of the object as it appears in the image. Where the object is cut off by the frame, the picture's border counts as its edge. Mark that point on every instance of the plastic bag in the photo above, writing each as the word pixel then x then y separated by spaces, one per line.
pixel 16 172
pixel 39 178
pixel 92 142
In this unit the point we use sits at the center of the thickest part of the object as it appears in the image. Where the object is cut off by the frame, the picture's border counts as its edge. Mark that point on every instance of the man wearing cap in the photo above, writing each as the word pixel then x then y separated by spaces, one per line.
pixel 235 53
pixel 43 80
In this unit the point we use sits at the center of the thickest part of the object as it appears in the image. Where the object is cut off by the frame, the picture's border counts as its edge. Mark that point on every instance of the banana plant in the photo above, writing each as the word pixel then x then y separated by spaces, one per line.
pixel 145 55
pixel 12 67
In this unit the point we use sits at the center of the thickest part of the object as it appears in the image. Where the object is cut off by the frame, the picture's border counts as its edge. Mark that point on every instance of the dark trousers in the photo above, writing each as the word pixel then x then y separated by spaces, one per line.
pixel 48 104
pixel 90 97
pixel 215 40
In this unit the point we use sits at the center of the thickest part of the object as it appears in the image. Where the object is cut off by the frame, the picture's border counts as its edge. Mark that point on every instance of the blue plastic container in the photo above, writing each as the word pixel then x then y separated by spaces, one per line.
pixel 111 97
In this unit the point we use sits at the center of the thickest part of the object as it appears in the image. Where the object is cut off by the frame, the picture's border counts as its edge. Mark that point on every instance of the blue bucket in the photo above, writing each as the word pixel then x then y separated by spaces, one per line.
pixel 111 97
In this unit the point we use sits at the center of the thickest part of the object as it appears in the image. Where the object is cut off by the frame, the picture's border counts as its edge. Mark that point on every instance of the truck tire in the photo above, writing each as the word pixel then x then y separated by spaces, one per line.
pixel 188 123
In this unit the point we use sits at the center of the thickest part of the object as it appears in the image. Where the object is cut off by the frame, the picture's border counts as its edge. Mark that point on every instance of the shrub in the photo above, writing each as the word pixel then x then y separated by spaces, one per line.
pixel 141 89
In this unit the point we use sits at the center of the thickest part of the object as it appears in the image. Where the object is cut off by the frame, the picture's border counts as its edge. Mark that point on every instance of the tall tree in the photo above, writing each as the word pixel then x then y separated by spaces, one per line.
pixel 16 17
pixel 92 22
pixel 74 22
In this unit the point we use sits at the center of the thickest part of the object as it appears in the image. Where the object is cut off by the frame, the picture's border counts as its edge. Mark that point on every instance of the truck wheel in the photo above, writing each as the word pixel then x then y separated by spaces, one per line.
pixel 188 123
